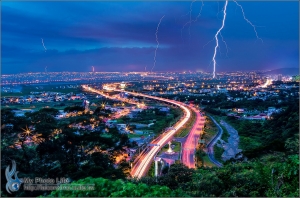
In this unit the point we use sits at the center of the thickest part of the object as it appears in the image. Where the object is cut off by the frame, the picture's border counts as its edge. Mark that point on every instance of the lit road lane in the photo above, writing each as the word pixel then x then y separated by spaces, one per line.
pixel 140 169
pixel 143 166
pixel 189 147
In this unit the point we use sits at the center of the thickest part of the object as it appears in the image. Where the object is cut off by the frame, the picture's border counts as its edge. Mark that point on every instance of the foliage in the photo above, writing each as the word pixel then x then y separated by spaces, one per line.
pixel 218 151
pixel 272 175
pixel 118 188
pixel 55 151
pixel 277 134
pixel 73 108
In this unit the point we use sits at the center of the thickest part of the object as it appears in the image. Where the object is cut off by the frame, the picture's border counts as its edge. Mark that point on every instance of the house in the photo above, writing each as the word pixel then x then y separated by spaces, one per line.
pixel 164 109
pixel 138 132
pixel 9 126
pixel 257 117
pixel 21 113
pixel 61 114
pixel 240 110
pixel 121 126
pixel 111 123
pixel 77 133
pixel 237 99
pixel 271 109
pixel 151 124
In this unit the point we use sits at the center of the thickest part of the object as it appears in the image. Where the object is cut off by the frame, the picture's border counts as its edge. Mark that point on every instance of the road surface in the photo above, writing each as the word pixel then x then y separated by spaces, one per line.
pixel 210 146
pixel 147 156
pixel 190 145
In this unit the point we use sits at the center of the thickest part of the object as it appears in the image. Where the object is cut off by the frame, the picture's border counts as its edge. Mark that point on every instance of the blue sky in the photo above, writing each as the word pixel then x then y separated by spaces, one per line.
pixel 120 36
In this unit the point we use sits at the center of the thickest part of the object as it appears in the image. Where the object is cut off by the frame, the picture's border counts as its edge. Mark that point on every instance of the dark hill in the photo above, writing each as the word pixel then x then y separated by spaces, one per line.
pixel 284 71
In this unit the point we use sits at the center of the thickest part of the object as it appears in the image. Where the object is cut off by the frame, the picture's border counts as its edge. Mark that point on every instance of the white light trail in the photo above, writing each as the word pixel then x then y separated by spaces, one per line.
pixel 157 42
pixel 217 41
pixel 267 83
pixel 44 45
pixel 249 21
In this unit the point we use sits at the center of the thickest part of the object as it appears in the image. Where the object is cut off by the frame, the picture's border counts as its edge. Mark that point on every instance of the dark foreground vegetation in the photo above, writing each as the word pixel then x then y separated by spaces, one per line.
pixel 269 167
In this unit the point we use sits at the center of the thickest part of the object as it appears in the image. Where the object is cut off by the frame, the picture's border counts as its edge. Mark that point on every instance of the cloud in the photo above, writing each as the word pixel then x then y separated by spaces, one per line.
pixel 120 36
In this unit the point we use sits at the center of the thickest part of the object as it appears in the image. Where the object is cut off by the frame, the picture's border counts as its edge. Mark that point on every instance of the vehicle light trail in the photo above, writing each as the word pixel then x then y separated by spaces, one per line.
pixel 142 167
pixel 145 159
pixel 217 41
pixel 191 142
pixel 157 42
pixel 44 45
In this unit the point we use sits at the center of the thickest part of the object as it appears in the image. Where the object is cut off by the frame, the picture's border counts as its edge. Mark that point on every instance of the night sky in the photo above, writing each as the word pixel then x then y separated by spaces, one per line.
pixel 120 36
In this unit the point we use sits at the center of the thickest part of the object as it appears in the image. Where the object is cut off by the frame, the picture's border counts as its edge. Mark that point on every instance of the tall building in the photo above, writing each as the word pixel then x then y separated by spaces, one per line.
pixel 279 77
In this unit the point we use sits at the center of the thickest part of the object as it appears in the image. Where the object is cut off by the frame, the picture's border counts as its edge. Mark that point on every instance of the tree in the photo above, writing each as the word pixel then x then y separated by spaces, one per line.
pixel 118 188
pixel 74 108
pixel 177 176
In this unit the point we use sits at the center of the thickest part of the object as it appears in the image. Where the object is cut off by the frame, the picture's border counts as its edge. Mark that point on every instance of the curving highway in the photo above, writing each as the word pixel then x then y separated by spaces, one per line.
pixel 147 156
pixel 189 146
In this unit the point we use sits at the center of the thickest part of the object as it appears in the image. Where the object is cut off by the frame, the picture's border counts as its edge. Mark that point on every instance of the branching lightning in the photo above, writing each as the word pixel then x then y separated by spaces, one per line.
pixel 189 22
pixel 217 41
pixel 157 42
pixel 225 44
pixel 192 21
pixel 248 21
pixel 44 45
pixel 219 33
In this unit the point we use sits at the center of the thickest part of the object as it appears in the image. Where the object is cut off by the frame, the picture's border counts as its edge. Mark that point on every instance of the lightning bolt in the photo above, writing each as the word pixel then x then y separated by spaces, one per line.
pixel 44 45
pixel 225 44
pixel 249 21
pixel 192 21
pixel 157 42
pixel 199 14
pixel 189 22
pixel 216 37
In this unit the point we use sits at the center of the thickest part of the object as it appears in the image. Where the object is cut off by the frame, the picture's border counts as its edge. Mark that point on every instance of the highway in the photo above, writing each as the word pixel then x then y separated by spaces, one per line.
pixel 190 145
pixel 147 156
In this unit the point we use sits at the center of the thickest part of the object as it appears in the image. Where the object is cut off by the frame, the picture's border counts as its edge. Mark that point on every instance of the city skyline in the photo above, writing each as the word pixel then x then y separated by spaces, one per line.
pixel 121 36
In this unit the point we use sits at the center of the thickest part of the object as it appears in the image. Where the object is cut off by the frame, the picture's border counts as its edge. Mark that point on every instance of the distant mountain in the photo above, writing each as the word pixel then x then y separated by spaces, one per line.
pixel 284 71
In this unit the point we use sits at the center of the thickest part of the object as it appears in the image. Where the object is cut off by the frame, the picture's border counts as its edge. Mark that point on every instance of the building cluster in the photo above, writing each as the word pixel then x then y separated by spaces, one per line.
pixel 37 97
pixel 254 115
pixel 246 91
pixel 46 77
